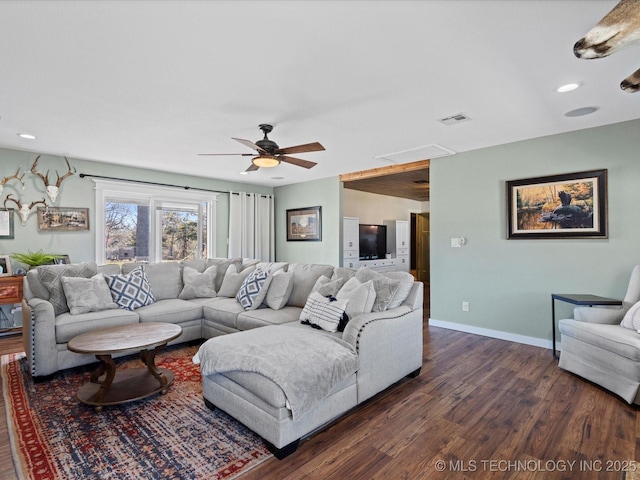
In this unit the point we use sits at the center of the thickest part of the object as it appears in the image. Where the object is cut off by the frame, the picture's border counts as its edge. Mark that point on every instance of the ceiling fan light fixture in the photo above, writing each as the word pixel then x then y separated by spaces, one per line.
pixel 265 161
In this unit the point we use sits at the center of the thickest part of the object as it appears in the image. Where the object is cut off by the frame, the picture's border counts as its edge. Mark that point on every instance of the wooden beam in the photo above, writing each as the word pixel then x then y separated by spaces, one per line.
pixel 381 171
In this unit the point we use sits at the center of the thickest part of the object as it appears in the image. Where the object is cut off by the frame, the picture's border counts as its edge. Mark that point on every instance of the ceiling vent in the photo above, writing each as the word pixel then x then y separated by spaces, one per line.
pixel 454 119
pixel 426 152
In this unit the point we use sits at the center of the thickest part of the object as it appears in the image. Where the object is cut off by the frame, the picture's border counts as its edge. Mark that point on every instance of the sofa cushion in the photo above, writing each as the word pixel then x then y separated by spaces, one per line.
pixel 68 326
pixel 132 290
pixel 361 296
pixel 223 311
pixel 87 294
pixel 198 285
pixel 327 313
pixel 263 317
pixel 165 278
pixel 631 319
pixel 279 290
pixel 170 310
pixel 50 276
pixel 305 276
pixel 254 289
pixel 325 286
pixel 233 279
pixel 613 338
pixel 198 264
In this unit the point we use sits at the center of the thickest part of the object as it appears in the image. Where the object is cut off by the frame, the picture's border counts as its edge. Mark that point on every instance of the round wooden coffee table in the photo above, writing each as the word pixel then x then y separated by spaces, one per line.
pixel 108 387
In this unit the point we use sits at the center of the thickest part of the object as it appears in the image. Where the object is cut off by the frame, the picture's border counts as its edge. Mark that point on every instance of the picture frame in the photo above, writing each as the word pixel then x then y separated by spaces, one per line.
pixel 63 219
pixel 566 206
pixel 62 260
pixel 304 224
pixel 5 266
pixel 7 229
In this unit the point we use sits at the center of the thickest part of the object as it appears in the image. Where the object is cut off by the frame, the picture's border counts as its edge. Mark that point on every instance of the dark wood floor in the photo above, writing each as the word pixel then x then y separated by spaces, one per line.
pixel 481 408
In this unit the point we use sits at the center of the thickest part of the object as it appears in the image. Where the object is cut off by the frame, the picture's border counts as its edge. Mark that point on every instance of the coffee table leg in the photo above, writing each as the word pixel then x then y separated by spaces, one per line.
pixel 108 368
pixel 148 357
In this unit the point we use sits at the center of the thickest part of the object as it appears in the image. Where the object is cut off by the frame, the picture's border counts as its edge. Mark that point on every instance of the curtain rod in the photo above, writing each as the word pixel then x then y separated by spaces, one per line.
pixel 185 187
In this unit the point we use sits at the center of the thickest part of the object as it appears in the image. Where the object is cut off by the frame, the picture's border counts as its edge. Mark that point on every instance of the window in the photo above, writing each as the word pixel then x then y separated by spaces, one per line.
pixel 152 223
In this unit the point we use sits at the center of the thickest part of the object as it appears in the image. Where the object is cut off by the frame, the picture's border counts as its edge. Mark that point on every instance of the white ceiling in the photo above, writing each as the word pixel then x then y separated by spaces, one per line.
pixel 154 83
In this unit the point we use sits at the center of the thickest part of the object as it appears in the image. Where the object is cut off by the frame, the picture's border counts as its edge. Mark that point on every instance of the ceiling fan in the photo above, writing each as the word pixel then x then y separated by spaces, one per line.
pixel 270 154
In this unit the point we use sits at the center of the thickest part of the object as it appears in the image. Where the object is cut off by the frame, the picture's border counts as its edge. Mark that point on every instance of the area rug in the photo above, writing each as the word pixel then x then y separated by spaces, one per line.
pixel 172 436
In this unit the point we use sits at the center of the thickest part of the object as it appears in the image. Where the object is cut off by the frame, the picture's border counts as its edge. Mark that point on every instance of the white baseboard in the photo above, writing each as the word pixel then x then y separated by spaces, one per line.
pixel 486 332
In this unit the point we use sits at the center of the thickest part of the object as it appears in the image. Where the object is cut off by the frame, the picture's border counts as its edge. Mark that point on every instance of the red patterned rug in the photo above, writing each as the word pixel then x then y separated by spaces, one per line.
pixel 172 436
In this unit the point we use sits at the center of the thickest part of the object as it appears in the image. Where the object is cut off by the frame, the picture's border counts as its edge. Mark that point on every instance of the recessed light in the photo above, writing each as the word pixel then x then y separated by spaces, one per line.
pixel 28 136
pixel 244 172
pixel 579 112
pixel 567 88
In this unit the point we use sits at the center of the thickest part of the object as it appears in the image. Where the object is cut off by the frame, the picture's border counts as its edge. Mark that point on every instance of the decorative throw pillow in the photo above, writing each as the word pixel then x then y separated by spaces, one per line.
pixel 385 287
pixel 279 290
pixel 325 287
pixel 198 285
pixel 50 276
pixel 254 289
pixel 324 312
pixel 233 280
pixel 406 284
pixel 223 266
pixel 361 296
pixel 631 319
pixel 87 294
pixel 132 290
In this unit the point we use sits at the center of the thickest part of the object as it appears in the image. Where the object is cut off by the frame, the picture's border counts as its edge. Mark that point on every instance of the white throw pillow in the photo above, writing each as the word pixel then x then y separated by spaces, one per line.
pixel 631 319
pixel 361 296
pixel 233 281
pixel 198 285
pixel 385 287
pixel 324 312
pixel 279 290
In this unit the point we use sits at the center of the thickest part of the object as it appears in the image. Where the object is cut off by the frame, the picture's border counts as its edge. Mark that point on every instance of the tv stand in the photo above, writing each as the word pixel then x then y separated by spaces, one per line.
pixel 381 265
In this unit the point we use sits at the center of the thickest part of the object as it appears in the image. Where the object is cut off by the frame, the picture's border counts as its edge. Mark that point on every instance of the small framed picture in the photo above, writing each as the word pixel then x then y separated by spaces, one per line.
pixel 5 266
pixel 304 224
pixel 6 224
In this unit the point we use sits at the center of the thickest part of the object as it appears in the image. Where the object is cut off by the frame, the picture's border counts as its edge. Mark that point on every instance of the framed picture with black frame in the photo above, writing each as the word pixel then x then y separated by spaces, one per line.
pixel 304 224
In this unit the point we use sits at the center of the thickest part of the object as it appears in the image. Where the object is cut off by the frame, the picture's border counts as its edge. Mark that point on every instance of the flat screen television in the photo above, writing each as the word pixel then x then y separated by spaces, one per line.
pixel 373 241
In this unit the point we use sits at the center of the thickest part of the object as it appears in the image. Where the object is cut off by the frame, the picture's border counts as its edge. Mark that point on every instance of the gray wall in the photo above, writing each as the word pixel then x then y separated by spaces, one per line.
pixel 326 193
pixel 509 282
pixel 78 192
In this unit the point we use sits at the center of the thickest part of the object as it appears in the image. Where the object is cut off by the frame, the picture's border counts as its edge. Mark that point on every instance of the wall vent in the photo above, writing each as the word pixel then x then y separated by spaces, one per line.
pixel 454 119
pixel 426 152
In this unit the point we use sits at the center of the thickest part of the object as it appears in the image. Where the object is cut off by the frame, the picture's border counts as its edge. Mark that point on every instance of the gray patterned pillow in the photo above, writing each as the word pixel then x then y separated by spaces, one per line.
pixel 50 276
pixel 87 294
pixel 198 285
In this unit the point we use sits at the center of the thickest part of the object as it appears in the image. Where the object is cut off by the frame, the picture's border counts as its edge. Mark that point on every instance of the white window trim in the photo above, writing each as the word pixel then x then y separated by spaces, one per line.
pixel 153 196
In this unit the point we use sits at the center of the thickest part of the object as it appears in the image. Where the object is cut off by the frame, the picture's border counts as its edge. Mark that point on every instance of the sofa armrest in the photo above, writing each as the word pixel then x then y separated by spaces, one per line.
pixel 608 315
pixel 389 346
pixel 39 336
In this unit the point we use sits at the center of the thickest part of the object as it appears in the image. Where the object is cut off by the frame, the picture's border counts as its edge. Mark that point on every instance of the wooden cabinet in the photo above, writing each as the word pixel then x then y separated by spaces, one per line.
pixel 10 293
pixel 398 243
pixel 350 242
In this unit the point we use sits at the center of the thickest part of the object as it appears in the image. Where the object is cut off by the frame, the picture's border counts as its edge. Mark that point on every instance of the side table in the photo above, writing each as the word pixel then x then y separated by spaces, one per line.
pixel 576 299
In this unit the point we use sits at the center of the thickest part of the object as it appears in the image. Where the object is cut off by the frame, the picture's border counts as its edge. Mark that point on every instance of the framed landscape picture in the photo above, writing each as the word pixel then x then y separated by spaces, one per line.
pixel 572 205
pixel 304 224
pixel 63 219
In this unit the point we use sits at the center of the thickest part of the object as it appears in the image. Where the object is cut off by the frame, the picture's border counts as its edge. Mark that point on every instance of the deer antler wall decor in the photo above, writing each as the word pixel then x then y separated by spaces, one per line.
pixel 16 176
pixel 52 190
pixel 24 210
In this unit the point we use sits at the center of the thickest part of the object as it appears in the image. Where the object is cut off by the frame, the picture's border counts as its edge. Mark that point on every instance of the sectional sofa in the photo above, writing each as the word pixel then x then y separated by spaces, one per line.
pixel 213 298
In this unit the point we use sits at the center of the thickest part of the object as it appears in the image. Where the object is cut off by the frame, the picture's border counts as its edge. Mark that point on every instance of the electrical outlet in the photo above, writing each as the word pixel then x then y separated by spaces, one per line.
pixel 465 306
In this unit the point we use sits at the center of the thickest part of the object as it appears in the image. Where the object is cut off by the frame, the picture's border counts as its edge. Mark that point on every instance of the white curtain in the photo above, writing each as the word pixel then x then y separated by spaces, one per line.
pixel 251 226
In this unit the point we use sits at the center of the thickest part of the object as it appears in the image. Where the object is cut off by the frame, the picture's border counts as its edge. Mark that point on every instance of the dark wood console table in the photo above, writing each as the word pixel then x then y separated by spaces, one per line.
pixel 576 299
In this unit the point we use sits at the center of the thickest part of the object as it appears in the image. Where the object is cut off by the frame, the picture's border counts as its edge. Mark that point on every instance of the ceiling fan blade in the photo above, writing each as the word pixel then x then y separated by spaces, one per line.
pixel 307 147
pixel 252 168
pixel 297 161
pixel 228 154
pixel 249 144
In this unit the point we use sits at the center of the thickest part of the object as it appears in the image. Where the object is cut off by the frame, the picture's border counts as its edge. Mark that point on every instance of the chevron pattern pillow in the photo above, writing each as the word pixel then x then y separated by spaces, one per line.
pixel 254 289
pixel 132 290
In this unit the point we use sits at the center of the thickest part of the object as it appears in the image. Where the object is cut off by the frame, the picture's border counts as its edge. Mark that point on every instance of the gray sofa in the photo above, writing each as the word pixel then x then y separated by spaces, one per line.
pixel 386 342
